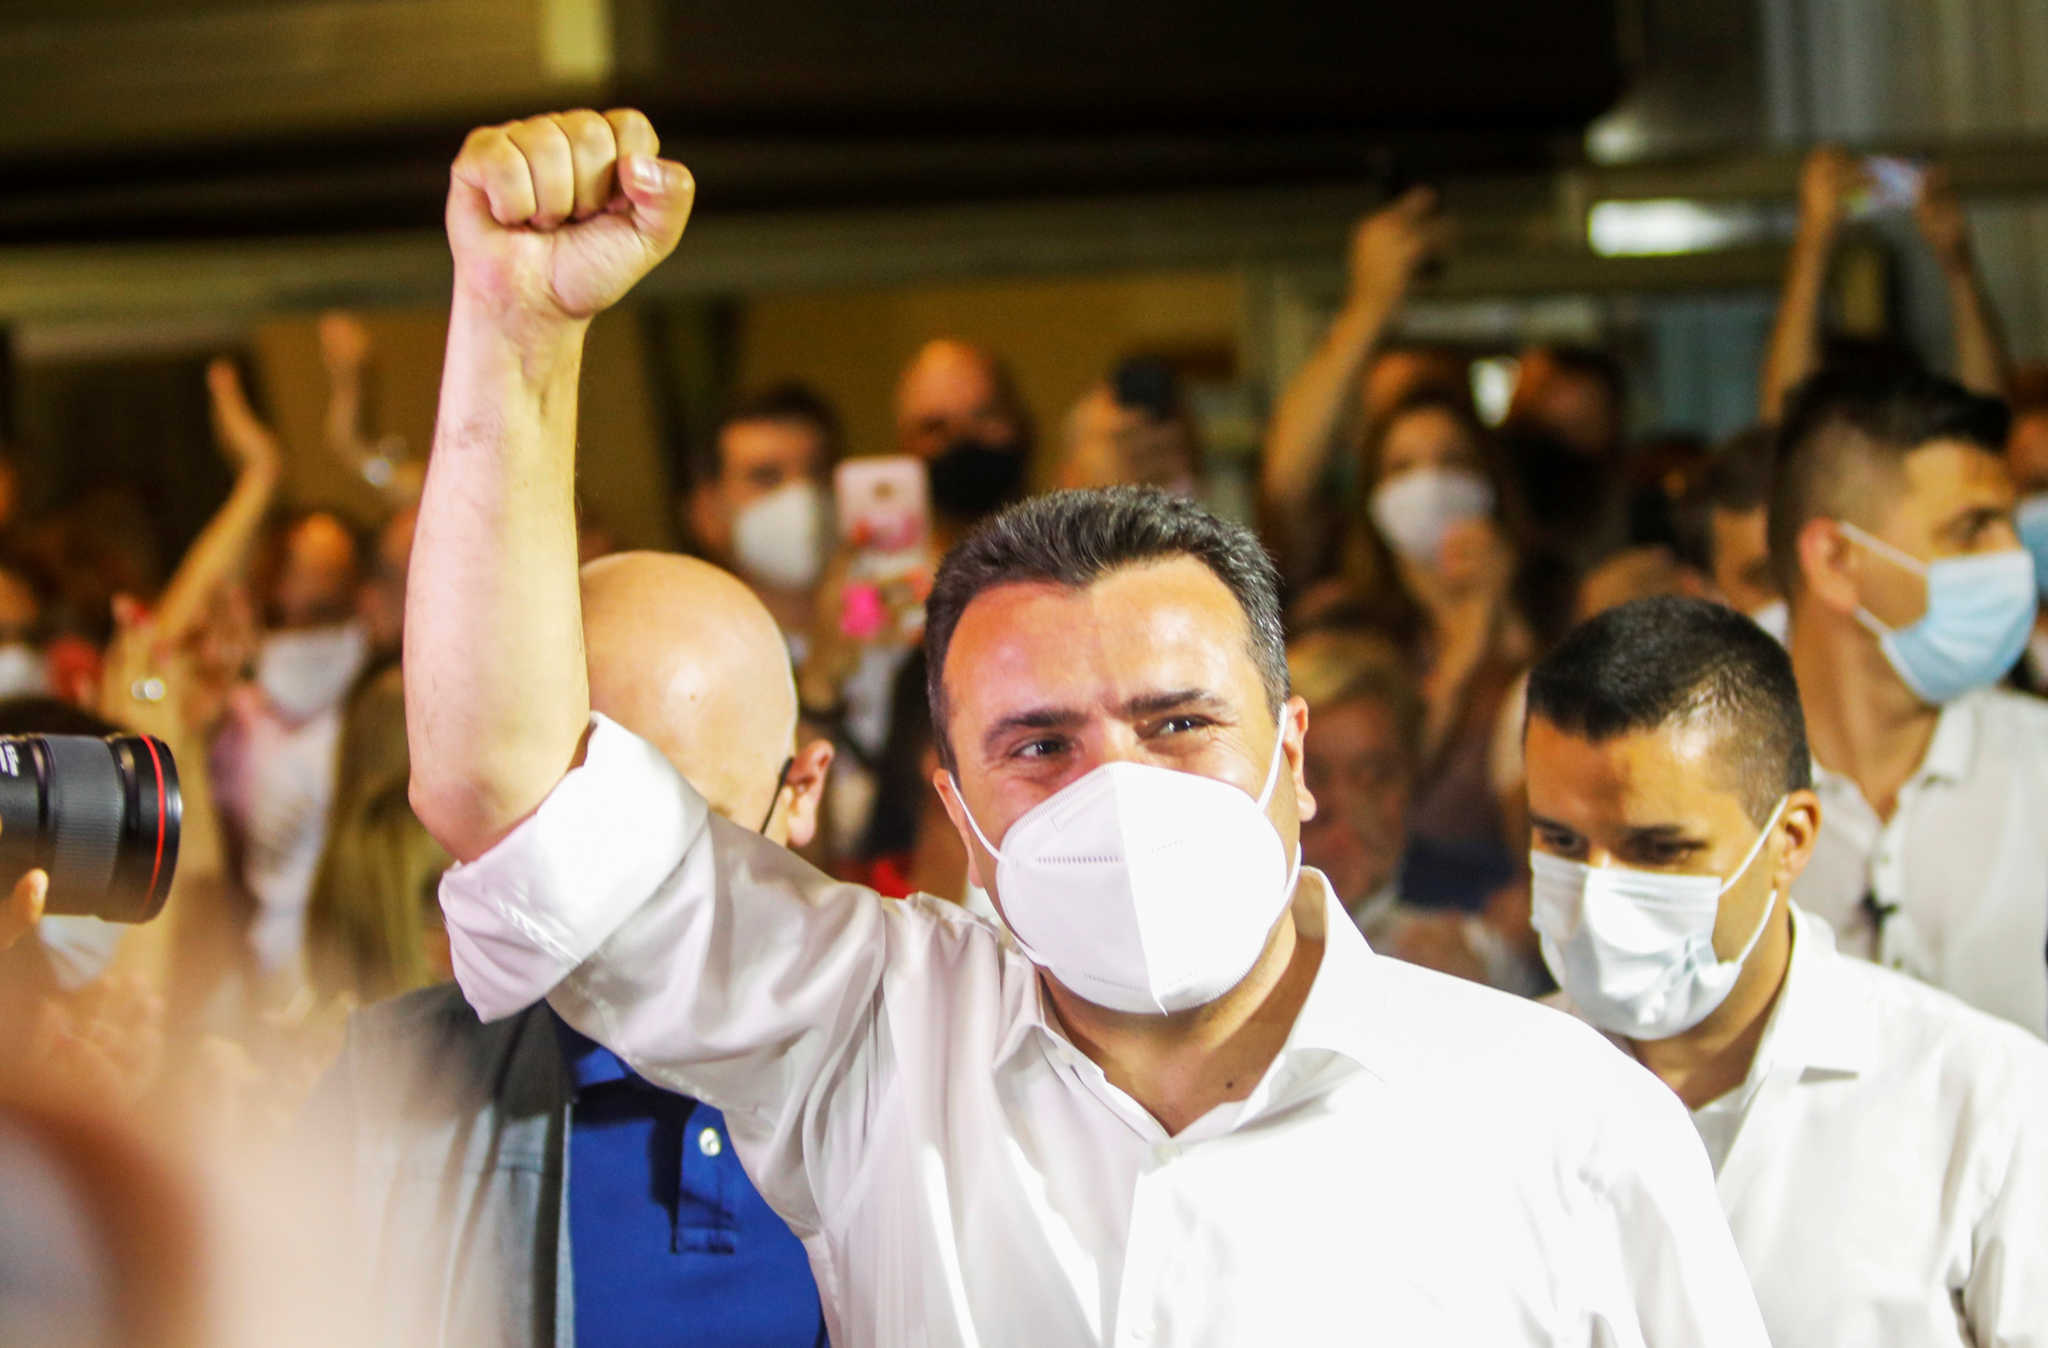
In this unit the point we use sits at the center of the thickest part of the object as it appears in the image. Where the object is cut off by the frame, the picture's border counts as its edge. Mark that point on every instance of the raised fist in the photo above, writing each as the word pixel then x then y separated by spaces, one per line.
pixel 1827 179
pixel 556 217
pixel 1389 246
pixel 1939 213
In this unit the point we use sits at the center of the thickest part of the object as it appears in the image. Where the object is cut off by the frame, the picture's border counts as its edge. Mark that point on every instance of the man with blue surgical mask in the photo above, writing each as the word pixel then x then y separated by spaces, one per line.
pixel 1891 532
pixel 1881 1148
pixel 1155 1109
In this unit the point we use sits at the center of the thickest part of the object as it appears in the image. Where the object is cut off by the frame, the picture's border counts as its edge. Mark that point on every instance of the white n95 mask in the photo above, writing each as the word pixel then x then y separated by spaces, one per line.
pixel 780 538
pixel 1143 889
pixel 1634 950
pixel 1417 510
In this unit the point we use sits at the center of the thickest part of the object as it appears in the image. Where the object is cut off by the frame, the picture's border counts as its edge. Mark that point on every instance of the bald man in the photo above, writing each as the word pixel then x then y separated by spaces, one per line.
pixel 958 410
pixel 627 1201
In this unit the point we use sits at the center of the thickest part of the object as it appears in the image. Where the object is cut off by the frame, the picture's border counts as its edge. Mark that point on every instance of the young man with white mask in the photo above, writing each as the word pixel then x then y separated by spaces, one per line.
pixel 762 504
pixel 1891 532
pixel 1158 1131
pixel 1881 1148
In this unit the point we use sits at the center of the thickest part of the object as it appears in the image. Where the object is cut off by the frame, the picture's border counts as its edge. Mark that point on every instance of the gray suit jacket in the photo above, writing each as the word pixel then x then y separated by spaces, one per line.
pixel 450 1137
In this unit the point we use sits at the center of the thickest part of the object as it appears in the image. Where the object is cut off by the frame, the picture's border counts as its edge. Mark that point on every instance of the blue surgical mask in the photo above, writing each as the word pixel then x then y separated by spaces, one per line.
pixel 2031 519
pixel 1980 610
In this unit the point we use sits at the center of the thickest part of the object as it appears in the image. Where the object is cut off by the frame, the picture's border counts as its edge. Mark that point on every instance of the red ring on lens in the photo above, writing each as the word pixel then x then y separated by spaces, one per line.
pixel 158 869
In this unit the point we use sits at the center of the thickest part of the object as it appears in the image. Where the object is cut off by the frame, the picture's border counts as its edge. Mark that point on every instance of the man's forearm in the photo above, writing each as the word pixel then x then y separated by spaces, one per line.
pixel 1311 410
pixel 1794 350
pixel 1980 349
pixel 218 554
pixel 497 697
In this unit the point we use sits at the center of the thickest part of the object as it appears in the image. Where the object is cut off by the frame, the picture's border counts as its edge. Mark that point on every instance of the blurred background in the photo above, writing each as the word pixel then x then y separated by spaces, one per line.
pixel 1070 183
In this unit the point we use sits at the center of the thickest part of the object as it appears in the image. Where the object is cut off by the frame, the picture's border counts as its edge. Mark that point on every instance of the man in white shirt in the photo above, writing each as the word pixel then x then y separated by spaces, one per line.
pixel 1881 1148
pixel 974 1151
pixel 1892 535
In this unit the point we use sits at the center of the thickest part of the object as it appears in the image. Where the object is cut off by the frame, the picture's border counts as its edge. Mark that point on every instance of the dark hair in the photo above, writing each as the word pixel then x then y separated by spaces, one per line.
pixel 39 715
pixel 1736 478
pixel 790 401
pixel 1657 662
pixel 1846 432
pixel 1074 538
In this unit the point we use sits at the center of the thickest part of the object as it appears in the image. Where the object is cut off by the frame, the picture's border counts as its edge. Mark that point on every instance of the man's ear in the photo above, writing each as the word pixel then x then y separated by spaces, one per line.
pixel 1800 824
pixel 942 782
pixel 1294 730
pixel 1825 566
pixel 806 786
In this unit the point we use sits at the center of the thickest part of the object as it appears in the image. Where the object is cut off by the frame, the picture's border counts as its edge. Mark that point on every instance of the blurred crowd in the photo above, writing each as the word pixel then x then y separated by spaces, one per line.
pixel 1430 556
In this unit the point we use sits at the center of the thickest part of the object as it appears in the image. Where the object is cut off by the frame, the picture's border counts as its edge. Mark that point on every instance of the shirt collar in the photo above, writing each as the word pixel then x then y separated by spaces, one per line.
pixel 1335 1017
pixel 1954 744
pixel 1949 753
pixel 1819 1024
pixel 589 1062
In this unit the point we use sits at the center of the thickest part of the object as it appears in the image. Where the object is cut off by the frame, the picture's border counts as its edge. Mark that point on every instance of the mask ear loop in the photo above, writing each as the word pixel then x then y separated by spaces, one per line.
pixel 1266 794
pixel 1897 556
pixel 1755 849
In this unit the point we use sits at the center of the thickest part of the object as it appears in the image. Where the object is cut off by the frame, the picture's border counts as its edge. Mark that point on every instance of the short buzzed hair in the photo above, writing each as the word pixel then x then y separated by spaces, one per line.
pixel 1845 437
pixel 1668 660
pixel 1075 538
pixel 790 402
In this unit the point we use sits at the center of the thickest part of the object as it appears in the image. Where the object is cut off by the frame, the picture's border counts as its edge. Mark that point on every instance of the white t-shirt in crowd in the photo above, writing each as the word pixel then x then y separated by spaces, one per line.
pixel 275 780
pixel 1426 1160
pixel 1885 1164
pixel 1961 866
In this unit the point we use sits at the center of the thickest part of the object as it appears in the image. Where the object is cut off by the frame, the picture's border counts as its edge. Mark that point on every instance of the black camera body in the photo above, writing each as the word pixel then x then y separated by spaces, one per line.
pixel 100 815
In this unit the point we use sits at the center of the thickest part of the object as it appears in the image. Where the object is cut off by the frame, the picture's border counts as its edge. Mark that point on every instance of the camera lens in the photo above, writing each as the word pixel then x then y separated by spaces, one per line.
pixel 100 815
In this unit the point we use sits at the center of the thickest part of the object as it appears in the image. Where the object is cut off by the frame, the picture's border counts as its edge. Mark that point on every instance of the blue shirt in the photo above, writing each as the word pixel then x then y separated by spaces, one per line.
pixel 669 1242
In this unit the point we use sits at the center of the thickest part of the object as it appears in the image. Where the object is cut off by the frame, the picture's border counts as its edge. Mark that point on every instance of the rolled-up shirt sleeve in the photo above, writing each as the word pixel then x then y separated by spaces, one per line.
pixel 712 960
pixel 523 915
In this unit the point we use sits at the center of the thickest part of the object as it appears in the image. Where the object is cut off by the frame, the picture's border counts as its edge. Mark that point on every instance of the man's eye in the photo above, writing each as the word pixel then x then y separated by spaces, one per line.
pixel 1174 725
pixel 1044 748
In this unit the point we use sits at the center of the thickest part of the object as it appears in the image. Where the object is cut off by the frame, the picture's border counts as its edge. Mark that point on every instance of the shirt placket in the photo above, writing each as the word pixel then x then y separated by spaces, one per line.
pixel 1898 944
pixel 1150 1255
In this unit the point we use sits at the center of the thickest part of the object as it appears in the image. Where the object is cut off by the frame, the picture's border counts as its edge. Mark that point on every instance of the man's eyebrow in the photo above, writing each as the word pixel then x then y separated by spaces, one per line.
pixel 1542 821
pixel 1662 833
pixel 1035 718
pixel 1182 699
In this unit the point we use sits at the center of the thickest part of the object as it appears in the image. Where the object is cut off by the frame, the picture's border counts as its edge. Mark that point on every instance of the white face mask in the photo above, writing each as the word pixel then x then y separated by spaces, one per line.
pixel 304 672
pixel 1415 511
pixel 780 539
pixel 22 671
pixel 1634 950
pixel 1143 889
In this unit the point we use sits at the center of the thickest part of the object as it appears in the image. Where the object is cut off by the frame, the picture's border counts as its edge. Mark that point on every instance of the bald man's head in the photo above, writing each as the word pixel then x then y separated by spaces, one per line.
pixel 953 390
pixel 684 656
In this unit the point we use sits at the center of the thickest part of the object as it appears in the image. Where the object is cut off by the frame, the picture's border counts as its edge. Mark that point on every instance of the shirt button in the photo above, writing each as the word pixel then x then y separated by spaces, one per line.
pixel 709 1142
pixel 1166 1151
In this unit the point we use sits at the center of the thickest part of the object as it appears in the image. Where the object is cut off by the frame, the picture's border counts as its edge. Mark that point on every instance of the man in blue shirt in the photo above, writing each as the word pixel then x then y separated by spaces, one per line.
pixel 517 1183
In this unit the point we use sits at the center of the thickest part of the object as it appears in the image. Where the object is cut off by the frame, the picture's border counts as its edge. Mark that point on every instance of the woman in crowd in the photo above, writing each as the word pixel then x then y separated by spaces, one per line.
pixel 1432 563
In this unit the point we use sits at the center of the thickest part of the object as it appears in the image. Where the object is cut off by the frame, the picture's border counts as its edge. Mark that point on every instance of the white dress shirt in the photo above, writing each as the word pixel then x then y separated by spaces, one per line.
pixel 1885 1164
pixel 1426 1161
pixel 1961 867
